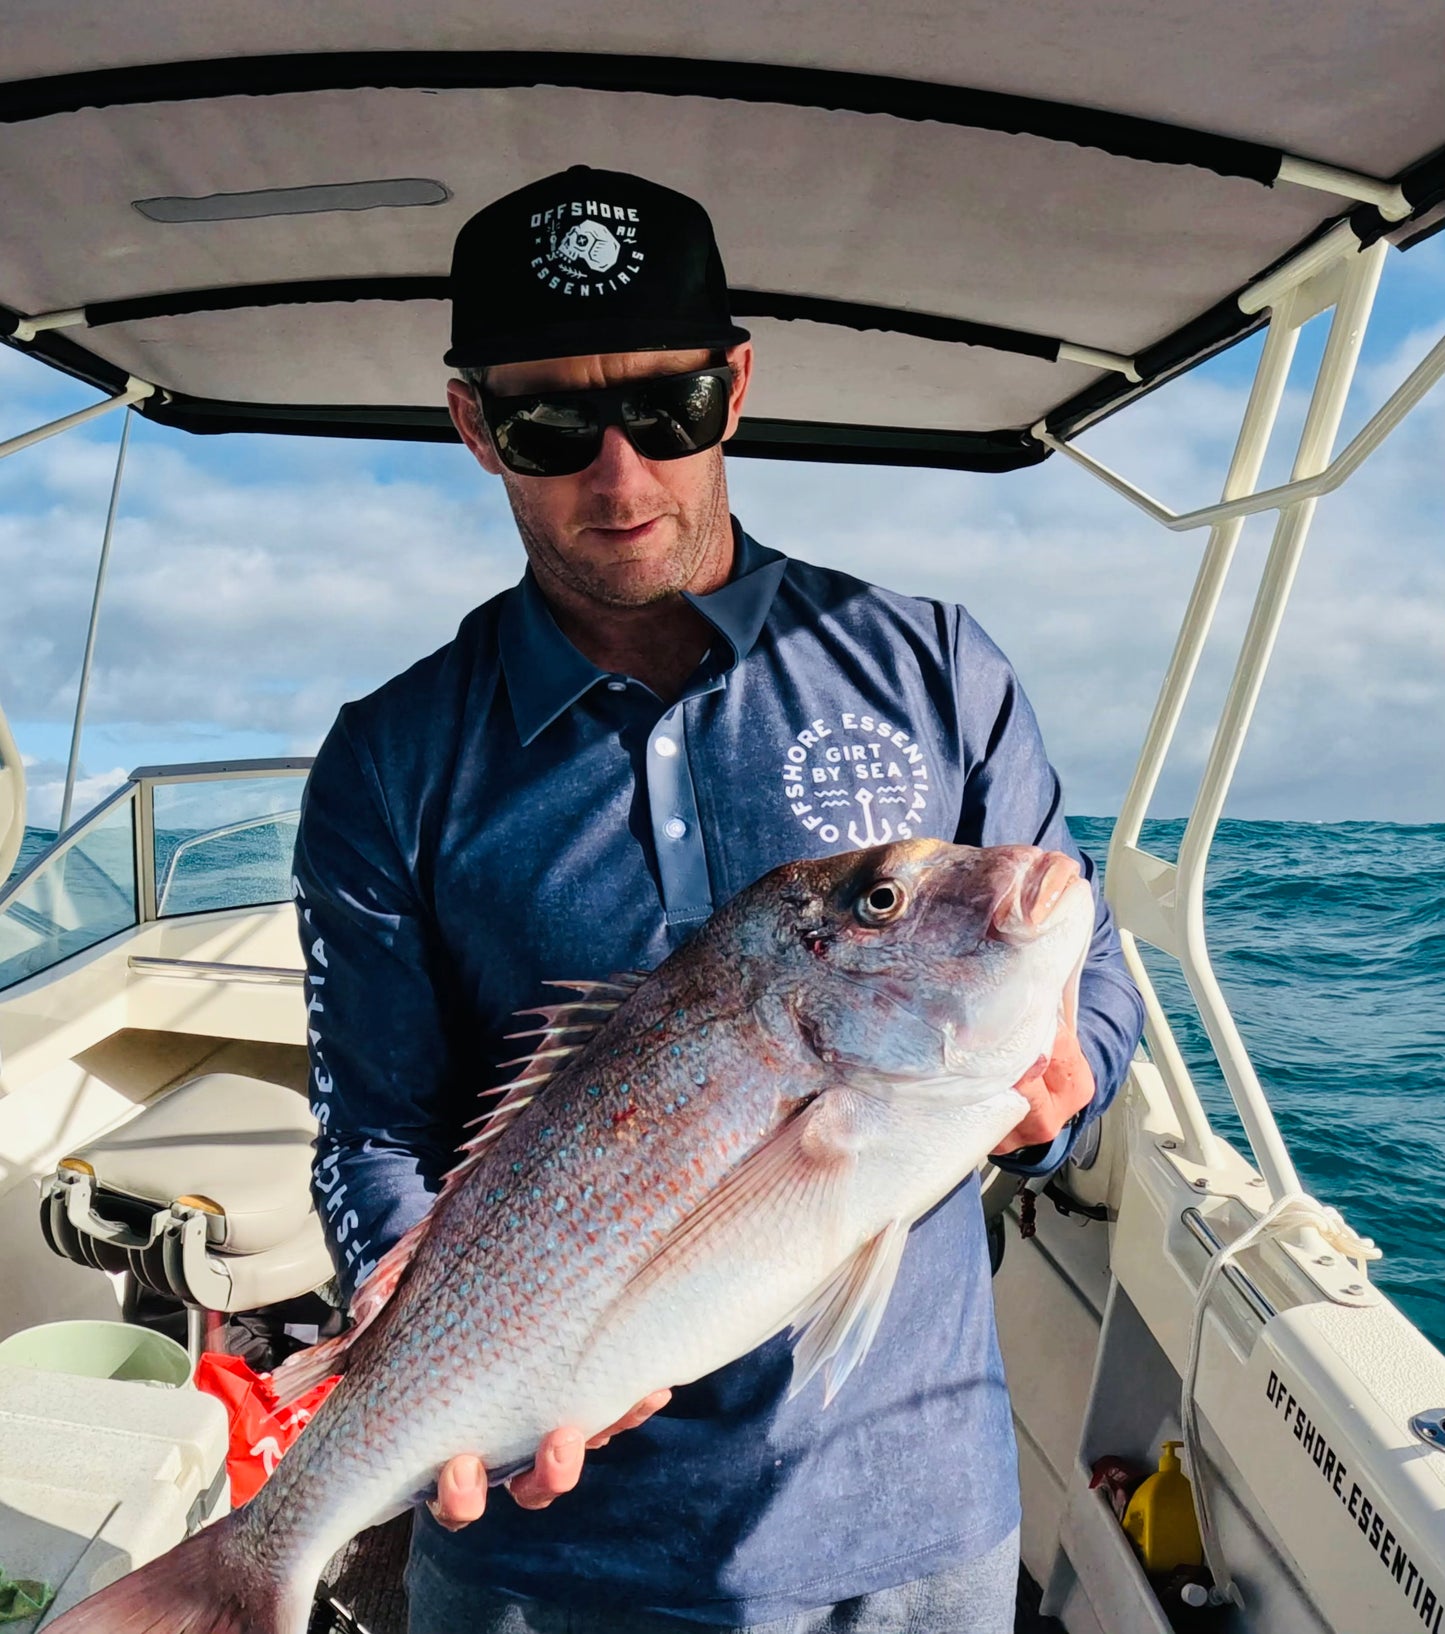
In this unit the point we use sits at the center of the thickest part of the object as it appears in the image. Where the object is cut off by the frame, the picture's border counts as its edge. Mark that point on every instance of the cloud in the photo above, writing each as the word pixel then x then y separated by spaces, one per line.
pixel 45 788
pixel 243 599
pixel 1086 596
pixel 256 583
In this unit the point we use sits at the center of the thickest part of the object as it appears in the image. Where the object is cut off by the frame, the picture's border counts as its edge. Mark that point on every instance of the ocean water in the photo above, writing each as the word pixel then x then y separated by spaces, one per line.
pixel 1329 942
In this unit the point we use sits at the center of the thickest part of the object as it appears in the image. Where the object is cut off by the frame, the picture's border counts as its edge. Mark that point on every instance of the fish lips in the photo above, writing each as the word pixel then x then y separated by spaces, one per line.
pixel 1041 929
pixel 1026 908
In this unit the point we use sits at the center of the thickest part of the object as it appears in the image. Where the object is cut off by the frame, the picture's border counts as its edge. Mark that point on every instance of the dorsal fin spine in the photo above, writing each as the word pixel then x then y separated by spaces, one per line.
pixel 599 999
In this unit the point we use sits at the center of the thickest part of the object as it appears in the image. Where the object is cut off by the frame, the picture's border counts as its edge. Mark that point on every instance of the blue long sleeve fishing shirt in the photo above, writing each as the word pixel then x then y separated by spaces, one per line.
pixel 503 813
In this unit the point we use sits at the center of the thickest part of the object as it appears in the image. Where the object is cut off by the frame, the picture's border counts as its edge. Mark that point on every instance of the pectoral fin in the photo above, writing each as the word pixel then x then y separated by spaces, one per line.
pixel 840 1322
pixel 799 1171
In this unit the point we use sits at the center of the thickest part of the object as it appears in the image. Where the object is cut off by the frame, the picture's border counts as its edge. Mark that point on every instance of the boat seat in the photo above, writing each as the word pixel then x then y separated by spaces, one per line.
pixel 205 1197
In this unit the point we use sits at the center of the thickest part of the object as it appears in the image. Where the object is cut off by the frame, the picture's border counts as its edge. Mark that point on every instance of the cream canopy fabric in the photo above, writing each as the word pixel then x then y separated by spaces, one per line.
pixel 254 205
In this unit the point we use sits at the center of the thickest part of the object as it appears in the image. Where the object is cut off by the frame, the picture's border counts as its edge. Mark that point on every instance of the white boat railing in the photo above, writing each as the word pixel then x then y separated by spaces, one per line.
pixel 1162 902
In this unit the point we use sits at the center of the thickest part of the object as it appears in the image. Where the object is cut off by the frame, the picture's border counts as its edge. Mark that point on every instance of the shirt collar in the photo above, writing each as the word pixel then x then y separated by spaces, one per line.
pixel 739 609
pixel 546 674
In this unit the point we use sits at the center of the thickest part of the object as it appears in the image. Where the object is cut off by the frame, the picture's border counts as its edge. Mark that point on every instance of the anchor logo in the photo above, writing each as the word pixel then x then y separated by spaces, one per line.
pixel 842 764
pixel 864 797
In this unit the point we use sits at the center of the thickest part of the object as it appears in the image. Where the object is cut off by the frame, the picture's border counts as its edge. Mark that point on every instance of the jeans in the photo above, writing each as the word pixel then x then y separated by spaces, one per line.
pixel 974 1599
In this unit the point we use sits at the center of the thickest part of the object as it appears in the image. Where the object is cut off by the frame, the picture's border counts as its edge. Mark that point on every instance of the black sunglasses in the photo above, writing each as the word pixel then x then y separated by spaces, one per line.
pixel 558 433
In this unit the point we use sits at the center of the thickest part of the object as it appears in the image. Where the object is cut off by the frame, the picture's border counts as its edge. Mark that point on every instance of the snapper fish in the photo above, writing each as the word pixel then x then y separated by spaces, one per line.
pixel 688 1163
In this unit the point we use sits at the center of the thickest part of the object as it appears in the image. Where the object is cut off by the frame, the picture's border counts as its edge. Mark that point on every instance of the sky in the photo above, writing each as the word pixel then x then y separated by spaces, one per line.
pixel 256 583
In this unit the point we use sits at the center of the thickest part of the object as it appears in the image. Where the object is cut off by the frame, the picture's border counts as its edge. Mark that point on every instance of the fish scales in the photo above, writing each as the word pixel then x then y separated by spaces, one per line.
pixel 630 1136
pixel 743 1143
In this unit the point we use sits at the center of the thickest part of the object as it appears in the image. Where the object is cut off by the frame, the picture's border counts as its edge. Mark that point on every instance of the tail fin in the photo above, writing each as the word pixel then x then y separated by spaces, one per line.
pixel 202 1586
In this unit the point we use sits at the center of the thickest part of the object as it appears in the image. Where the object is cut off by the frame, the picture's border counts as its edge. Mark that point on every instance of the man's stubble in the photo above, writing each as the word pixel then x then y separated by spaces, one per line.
pixel 701 529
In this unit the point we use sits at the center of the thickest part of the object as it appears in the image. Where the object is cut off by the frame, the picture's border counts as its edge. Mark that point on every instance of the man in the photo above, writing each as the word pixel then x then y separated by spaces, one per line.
pixel 661 711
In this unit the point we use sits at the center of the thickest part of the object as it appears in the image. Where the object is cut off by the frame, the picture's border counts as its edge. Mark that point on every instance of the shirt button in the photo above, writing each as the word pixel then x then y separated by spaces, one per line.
pixel 666 747
pixel 674 828
pixel 617 686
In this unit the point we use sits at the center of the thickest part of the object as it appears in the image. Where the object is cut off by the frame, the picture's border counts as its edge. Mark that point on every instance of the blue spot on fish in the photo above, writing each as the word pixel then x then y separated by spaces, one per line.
pixel 536 1192
pixel 516 1168
pixel 594 1089
pixel 699 1077
pixel 681 1098
pixel 597 1151
pixel 677 1049
pixel 548 1132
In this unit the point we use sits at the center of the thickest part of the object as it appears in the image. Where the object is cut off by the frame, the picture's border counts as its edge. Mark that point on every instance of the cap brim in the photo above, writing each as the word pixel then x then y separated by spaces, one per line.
pixel 587 339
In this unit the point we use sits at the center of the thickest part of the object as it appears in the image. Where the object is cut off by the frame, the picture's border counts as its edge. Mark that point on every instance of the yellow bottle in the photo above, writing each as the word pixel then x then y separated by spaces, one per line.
pixel 1160 1517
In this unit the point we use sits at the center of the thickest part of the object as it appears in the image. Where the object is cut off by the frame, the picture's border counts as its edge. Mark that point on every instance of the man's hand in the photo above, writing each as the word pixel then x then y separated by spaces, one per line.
pixel 462 1485
pixel 1064 1086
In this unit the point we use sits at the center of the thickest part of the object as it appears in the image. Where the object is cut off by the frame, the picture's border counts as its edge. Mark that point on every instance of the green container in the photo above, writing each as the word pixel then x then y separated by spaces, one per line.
pixel 99 1350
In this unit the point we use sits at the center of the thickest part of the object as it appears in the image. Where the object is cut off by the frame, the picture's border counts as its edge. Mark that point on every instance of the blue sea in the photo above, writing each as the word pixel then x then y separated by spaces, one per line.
pixel 1329 942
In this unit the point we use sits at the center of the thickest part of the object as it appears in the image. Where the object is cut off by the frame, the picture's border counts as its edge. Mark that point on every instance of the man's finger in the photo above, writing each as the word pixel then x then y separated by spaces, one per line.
pixel 461 1492
pixel 630 1420
pixel 557 1470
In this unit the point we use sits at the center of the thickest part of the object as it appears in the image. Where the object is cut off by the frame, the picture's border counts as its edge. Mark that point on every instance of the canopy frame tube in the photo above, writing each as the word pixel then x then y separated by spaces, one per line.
pixel 133 392
pixel 1162 902
pixel 87 660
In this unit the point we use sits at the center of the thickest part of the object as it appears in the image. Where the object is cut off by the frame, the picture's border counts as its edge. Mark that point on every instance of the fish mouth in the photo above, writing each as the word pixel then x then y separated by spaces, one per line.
pixel 1036 892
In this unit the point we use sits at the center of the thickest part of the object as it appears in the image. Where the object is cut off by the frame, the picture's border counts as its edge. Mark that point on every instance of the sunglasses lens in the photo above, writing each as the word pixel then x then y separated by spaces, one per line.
pixel 547 437
pixel 669 419
pixel 560 435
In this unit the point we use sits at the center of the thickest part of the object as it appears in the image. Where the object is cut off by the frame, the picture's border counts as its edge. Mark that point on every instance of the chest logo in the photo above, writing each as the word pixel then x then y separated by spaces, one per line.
pixel 586 247
pixel 855 780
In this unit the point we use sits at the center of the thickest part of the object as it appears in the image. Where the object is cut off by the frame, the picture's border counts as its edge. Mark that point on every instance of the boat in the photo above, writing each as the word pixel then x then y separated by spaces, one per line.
pixel 962 236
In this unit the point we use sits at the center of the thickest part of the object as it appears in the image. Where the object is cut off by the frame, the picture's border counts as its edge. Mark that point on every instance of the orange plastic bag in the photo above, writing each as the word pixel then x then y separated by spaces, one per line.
pixel 260 1428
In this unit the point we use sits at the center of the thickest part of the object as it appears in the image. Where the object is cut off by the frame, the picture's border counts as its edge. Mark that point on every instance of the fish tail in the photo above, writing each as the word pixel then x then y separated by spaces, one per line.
pixel 210 1584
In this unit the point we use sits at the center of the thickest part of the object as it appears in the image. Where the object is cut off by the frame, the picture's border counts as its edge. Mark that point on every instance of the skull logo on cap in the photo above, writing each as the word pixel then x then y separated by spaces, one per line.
pixel 592 244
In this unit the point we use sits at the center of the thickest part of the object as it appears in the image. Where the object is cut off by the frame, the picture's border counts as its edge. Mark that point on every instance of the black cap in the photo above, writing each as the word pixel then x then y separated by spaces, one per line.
pixel 587 261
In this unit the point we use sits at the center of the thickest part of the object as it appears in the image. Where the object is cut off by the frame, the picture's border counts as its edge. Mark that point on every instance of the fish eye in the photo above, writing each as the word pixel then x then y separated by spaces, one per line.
pixel 882 902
